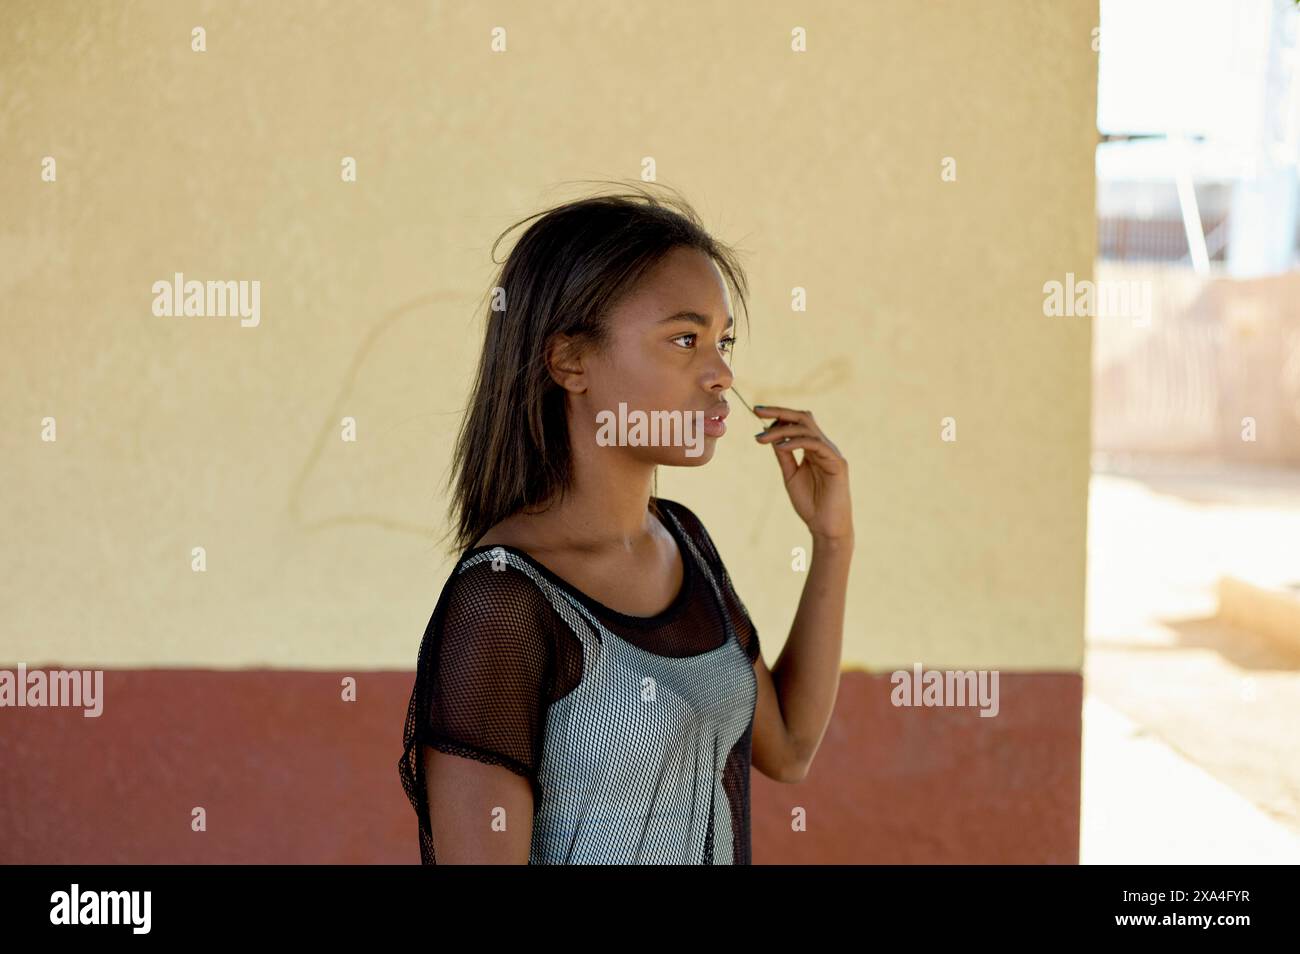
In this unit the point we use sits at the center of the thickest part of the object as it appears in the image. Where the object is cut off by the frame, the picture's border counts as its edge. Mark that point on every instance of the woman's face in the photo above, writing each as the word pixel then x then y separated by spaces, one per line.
pixel 669 370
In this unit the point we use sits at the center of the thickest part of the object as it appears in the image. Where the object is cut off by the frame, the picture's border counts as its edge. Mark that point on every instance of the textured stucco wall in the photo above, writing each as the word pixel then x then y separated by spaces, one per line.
pixel 924 301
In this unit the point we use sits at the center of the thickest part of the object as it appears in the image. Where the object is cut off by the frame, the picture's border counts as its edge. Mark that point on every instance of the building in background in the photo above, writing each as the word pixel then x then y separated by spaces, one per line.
pixel 1198 109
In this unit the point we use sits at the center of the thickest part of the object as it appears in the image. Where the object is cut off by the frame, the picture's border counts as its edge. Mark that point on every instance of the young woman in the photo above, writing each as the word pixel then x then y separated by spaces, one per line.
pixel 590 688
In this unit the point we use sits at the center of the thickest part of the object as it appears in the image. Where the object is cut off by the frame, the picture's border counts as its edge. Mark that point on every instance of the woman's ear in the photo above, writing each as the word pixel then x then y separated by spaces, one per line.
pixel 564 363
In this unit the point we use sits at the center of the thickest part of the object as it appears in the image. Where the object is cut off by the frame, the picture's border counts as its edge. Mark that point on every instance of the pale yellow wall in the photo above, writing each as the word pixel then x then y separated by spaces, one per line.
pixel 925 300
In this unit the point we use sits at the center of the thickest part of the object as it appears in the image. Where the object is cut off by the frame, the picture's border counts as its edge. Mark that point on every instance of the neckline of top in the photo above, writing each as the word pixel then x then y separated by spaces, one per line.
pixel 666 615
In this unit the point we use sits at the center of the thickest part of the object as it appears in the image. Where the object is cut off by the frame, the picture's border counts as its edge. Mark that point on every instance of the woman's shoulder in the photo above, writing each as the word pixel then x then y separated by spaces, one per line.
pixel 487 605
pixel 492 573
pixel 492 579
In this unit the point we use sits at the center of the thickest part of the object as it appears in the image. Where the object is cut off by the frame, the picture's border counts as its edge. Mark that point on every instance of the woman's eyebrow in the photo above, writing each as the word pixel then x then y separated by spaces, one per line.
pixel 696 318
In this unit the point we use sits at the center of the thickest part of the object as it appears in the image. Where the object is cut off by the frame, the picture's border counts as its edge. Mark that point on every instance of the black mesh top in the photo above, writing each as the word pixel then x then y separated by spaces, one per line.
pixel 634 732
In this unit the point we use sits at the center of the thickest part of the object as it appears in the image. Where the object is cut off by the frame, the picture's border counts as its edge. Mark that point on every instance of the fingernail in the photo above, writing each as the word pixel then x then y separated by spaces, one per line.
pixel 760 434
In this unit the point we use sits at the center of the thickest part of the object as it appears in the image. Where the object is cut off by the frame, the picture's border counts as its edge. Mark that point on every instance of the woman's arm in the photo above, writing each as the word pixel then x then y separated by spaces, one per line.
pixel 796 698
pixel 478 813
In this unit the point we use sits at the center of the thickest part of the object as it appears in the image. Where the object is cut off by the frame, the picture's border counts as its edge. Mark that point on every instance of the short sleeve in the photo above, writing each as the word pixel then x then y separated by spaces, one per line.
pixel 733 605
pixel 487 664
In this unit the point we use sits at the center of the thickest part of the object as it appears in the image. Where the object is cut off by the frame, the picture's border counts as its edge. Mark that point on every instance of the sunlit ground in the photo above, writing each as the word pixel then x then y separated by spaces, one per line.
pixel 1191 725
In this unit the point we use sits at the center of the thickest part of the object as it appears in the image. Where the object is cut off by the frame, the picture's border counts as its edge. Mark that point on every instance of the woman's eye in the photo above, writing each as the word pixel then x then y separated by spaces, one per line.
pixel 724 345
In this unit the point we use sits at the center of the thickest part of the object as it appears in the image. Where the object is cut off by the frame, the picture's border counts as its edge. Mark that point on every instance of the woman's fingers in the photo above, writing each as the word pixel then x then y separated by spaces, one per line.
pixel 785 414
pixel 813 445
pixel 785 417
pixel 790 423
pixel 784 430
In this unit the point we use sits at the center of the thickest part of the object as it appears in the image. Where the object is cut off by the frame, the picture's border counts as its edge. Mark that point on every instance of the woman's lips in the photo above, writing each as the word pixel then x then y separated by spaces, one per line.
pixel 714 426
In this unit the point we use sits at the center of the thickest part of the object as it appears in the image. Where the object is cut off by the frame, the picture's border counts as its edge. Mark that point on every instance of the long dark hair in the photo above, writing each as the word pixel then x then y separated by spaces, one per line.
pixel 563 276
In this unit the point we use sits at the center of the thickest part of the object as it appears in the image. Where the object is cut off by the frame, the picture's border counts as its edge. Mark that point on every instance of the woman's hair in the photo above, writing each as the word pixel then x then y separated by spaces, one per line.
pixel 565 274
